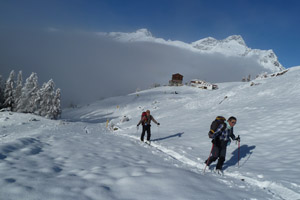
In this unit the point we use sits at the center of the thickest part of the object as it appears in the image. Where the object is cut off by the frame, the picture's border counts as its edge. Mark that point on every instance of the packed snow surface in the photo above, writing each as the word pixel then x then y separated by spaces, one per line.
pixel 79 158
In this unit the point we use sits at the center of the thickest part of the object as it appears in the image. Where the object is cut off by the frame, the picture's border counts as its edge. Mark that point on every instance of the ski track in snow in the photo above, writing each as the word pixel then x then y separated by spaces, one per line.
pixel 277 190
pixel 52 147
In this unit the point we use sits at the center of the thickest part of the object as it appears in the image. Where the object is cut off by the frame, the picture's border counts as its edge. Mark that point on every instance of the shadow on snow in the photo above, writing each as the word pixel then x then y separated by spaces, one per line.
pixel 245 152
pixel 170 136
pixel 91 119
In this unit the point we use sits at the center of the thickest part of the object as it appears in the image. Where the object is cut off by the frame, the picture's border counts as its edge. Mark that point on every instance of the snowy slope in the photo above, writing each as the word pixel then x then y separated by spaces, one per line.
pixel 235 46
pixel 81 159
pixel 232 46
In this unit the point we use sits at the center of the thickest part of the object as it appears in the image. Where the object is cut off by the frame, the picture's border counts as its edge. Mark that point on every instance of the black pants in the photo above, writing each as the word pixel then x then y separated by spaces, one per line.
pixel 218 151
pixel 146 128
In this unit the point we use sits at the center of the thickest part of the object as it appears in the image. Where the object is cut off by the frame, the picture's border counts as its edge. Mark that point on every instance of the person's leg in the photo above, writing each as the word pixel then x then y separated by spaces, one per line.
pixel 222 157
pixel 214 155
pixel 220 163
pixel 143 133
pixel 148 133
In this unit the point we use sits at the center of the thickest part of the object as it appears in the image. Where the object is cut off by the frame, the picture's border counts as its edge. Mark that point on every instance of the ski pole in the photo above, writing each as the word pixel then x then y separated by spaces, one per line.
pixel 208 157
pixel 239 151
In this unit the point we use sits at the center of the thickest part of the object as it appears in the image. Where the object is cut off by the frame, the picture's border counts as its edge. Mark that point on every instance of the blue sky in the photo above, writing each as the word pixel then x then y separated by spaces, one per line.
pixel 264 24
pixel 76 58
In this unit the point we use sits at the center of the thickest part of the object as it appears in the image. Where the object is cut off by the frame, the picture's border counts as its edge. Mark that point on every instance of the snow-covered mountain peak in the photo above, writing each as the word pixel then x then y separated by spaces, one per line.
pixel 235 38
pixel 267 58
pixel 205 44
pixel 139 35
pixel 232 46
pixel 210 43
pixel 144 31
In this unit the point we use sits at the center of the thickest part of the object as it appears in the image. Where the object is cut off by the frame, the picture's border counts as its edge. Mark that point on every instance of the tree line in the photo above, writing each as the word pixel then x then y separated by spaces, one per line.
pixel 28 97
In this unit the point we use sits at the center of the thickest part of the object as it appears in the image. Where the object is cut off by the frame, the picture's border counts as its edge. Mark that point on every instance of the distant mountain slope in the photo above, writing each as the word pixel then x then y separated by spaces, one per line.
pixel 234 46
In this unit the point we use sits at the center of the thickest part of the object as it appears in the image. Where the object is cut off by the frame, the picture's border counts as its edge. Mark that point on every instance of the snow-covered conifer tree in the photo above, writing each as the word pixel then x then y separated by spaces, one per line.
pixel 18 90
pixel 38 100
pixel 48 101
pixel 56 110
pixel 9 90
pixel 1 92
pixel 29 95
pixel 46 98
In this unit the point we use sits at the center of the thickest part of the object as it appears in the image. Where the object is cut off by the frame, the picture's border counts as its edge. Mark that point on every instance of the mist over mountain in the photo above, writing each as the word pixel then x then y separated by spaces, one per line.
pixel 88 66
pixel 232 46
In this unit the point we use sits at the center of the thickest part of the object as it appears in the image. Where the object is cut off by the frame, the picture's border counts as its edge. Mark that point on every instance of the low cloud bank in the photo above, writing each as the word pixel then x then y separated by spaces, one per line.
pixel 88 67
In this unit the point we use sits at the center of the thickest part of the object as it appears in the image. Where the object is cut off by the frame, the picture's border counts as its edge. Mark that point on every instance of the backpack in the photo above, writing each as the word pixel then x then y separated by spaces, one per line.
pixel 144 117
pixel 215 124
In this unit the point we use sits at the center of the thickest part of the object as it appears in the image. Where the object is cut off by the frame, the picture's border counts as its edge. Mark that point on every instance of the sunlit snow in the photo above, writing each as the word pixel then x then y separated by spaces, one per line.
pixel 79 158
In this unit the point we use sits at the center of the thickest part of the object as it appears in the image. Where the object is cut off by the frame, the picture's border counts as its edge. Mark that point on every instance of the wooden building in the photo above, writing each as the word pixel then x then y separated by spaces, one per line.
pixel 176 80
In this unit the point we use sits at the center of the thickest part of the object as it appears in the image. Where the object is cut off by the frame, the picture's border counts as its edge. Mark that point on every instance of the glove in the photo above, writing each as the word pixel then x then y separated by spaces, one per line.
pixel 238 139
pixel 158 124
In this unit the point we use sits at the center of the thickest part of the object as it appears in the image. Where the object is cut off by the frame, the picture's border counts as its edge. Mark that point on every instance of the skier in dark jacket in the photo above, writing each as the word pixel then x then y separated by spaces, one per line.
pixel 146 122
pixel 221 138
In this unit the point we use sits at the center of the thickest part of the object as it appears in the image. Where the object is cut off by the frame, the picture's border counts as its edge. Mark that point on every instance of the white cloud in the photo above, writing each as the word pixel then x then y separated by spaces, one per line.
pixel 87 66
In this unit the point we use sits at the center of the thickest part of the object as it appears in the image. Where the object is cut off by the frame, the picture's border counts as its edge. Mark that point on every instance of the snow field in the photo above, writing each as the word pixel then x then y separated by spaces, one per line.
pixel 68 163
pixel 266 106
pixel 79 158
